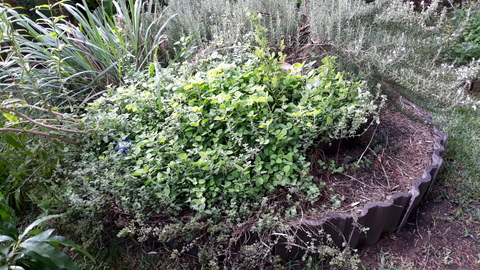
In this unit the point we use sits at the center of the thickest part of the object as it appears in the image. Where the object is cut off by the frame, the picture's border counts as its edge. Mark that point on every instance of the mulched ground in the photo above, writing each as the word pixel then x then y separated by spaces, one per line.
pixel 398 151
pixel 433 239
pixel 391 156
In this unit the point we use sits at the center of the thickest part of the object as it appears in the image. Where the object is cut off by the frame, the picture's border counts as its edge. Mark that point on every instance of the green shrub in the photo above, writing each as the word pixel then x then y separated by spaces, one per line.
pixel 234 131
pixel 465 34
pixel 30 148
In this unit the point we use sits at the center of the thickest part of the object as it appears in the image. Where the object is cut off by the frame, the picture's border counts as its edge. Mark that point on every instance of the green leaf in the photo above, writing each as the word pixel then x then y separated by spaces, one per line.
pixel 199 201
pixel 34 260
pixel 6 238
pixel 36 223
pixel 10 140
pixel 60 259
pixel 10 117
pixel 41 236
pixel 47 236
pixel 329 120
pixel 9 229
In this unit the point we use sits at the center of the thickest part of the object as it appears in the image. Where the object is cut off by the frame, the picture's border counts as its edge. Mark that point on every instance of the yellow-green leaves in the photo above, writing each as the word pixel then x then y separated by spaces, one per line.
pixel 230 133
pixel 10 117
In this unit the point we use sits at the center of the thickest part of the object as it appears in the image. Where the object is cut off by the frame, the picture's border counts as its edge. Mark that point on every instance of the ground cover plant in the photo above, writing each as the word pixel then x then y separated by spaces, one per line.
pixel 224 136
pixel 121 165
pixel 217 140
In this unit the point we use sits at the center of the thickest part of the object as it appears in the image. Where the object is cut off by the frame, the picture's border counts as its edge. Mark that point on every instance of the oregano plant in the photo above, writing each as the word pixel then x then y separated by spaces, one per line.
pixel 234 131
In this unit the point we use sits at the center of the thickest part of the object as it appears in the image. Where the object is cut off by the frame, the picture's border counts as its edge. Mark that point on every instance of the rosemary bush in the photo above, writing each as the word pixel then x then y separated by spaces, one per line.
pixel 227 21
pixel 379 41
pixel 389 41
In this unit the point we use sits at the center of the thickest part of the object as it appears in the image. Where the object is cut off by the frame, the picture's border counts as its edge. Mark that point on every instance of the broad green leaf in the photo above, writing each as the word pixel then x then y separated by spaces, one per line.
pixel 60 259
pixel 35 223
pixel 193 117
pixel 10 117
pixel 329 120
pixel 9 229
pixel 199 201
pixel 10 140
pixel 183 155
pixel 5 250
pixel 35 232
pixel 41 236
pixel 47 236
pixel 6 238
pixel 35 260
pixel 7 214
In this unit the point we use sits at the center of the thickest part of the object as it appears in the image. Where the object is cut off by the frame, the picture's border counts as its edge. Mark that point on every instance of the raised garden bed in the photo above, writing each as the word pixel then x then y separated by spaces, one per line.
pixel 364 217
pixel 365 226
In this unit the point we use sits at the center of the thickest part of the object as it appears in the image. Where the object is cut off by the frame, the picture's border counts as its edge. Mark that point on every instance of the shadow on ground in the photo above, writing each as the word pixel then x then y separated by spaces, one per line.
pixel 440 235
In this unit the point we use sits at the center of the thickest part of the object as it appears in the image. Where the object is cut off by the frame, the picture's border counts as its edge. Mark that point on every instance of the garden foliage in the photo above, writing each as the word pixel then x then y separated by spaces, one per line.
pixel 224 133
pixel 465 35
pixel 49 67
pixel 234 131
pixel 29 248
pixel 64 61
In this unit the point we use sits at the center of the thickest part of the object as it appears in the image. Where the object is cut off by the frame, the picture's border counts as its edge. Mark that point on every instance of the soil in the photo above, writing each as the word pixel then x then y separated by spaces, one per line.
pixel 434 238
pixel 396 153
pixel 391 154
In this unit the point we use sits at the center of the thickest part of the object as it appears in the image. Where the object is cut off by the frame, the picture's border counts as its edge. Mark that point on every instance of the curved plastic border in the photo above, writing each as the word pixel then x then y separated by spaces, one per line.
pixel 377 218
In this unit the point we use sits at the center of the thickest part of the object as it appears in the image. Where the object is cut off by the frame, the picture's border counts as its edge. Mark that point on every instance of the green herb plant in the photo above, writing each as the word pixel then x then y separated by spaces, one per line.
pixel 232 132
pixel 464 35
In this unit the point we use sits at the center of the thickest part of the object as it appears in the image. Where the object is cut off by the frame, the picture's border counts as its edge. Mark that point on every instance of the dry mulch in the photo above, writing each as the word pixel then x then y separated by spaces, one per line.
pixel 433 239
pixel 391 156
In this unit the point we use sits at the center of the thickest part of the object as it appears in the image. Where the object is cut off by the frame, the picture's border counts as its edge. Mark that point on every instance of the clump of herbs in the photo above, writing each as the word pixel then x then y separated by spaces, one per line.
pixel 232 132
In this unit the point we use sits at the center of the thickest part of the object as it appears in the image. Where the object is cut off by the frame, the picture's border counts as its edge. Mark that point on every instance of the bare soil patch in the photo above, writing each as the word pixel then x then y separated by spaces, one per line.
pixel 391 156
pixel 432 239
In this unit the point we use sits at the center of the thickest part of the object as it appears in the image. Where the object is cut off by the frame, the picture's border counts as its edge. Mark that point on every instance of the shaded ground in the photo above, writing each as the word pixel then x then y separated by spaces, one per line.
pixel 439 236
pixel 384 161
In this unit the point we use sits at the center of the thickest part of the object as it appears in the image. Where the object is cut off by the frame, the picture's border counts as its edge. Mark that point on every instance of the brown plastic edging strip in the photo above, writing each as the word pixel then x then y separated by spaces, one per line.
pixel 378 218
